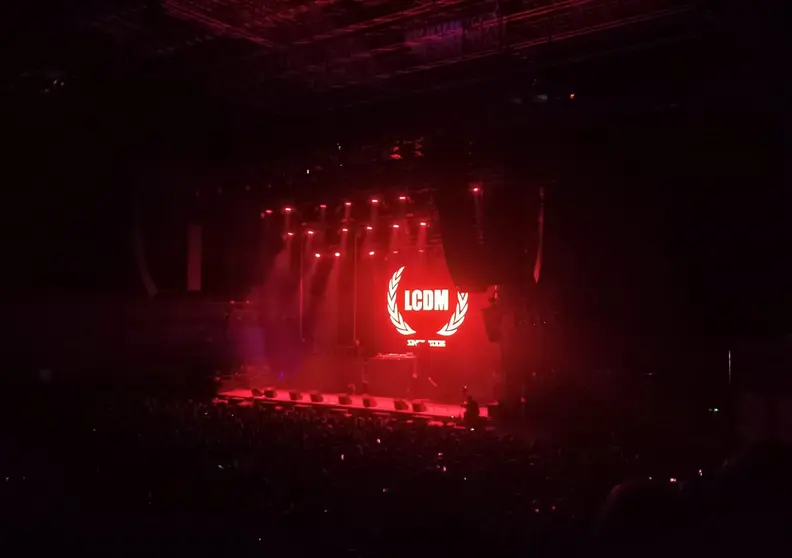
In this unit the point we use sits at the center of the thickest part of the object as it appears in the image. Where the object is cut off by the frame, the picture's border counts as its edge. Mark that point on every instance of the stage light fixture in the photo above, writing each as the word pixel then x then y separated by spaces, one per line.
pixel 375 201
pixel 318 255
pixel 369 228
pixel 309 233
pixel 287 209
pixel 476 190
pixel 323 206
pixel 423 223
pixel 289 234
pixel 402 198
pixel 395 226
pixel 348 204
pixel 401 405
pixel 371 253
pixel 268 212
pixel 337 254
pixel 345 229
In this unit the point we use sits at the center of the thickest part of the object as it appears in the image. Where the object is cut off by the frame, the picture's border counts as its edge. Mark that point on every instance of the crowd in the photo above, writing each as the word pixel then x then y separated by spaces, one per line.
pixel 136 474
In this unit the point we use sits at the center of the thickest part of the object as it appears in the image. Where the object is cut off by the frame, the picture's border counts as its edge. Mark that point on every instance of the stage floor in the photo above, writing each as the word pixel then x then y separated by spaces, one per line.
pixel 384 404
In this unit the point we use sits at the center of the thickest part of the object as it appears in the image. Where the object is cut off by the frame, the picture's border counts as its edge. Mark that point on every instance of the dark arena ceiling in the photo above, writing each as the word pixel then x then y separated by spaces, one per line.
pixel 302 57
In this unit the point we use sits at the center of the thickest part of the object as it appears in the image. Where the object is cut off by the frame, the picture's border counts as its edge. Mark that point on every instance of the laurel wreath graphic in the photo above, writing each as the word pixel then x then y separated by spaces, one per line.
pixel 393 309
pixel 458 317
pixel 402 327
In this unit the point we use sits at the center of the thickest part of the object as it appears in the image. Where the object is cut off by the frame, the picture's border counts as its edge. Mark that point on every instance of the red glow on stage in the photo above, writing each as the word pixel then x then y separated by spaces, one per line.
pixel 323 206
pixel 423 223
pixel 348 204
pixel 268 212
pixel 287 209
pixel 337 254
pixel 289 234
pixel 309 232
pixel 402 198
pixel 476 190
pixel 262 214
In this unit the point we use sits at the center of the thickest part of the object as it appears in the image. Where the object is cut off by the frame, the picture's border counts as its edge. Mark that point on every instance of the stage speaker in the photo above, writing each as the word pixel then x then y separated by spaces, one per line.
pixel 369 401
pixel 418 407
pixel 270 393
pixel 316 397
pixel 492 323
pixel 344 399
pixel 295 395
pixel 256 392
pixel 401 405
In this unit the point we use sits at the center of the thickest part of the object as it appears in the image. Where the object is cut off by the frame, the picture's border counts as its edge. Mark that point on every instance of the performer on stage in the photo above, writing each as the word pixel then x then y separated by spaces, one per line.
pixel 472 412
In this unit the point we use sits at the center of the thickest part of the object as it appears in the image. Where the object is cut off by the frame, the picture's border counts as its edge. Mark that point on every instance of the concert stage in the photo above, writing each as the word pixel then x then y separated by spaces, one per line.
pixel 432 410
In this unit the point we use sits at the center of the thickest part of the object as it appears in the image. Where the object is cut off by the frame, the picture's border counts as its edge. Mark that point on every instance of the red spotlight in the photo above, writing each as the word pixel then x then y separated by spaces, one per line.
pixel 371 253
pixel 289 234
pixel 345 229
pixel 348 204
pixel 423 223
pixel 268 212
pixel 374 201
pixel 395 226
pixel 323 206
pixel 476 190
pixel 309 233
pixel 337 254
pixel 318 255
pixel 287 209
pixel 369 228
pixel 402 198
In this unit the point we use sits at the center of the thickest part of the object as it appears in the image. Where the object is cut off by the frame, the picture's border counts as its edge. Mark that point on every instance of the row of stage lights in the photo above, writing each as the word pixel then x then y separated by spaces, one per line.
pixel 373 201
pixel 311 232
pixel 338 254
